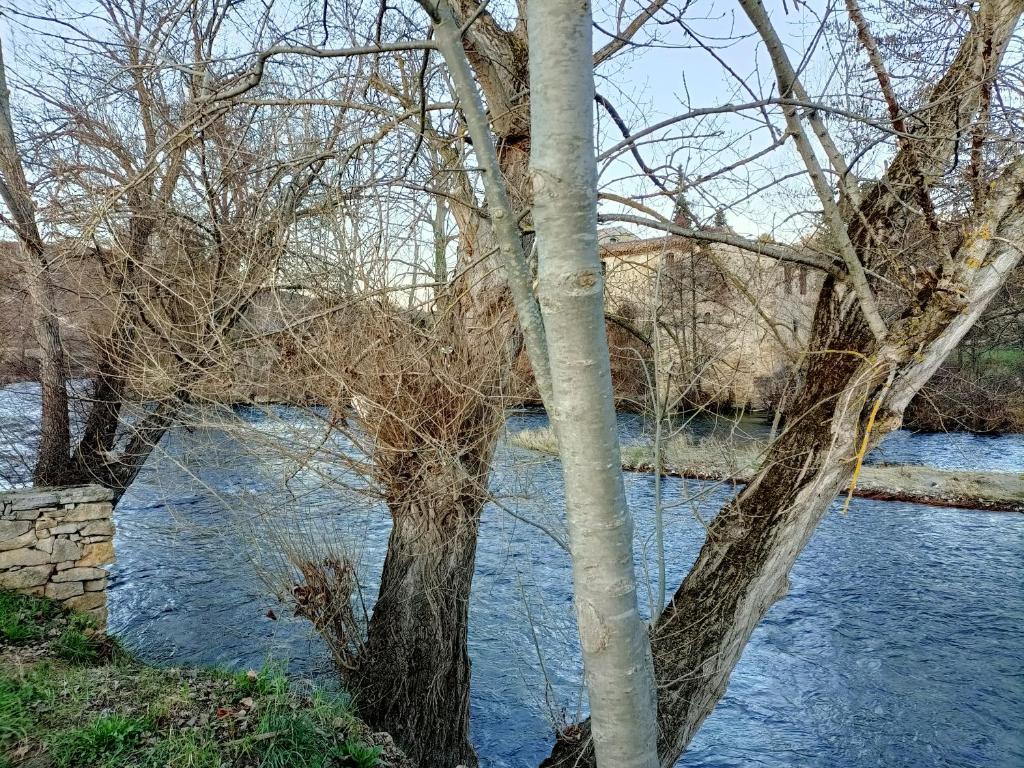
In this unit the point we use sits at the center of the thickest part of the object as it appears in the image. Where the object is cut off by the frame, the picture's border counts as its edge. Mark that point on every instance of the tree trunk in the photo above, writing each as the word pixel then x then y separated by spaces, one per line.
pixel 854 393
pixel 52 462
pixel 413 678
pixel 616 650
pixel 51 466
pixel 414 674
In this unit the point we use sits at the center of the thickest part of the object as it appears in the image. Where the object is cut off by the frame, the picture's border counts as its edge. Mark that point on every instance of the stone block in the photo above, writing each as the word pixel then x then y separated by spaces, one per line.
pixel 64 590
pixel 100 553
pixel 45 523
pixel 98 528
pixel 33 500
pixel 46 545
pixel 79 574
pixel 14 557
pixel 98 615
pixel 64 550
pixel 25 540
pixel 24 578
pixel 87 601
pixel 12 529
pixel 63 529
pixel 91 511
pixel 78 494
pixel 96 585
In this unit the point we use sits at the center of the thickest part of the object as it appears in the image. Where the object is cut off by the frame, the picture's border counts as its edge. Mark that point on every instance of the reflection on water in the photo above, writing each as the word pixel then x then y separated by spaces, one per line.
pixel 898 645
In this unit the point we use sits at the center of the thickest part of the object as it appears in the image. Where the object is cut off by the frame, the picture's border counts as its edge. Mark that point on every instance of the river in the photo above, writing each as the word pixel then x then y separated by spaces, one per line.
pixel 899 644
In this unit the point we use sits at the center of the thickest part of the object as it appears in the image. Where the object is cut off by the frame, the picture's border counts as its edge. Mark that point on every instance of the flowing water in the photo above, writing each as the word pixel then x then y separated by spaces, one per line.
pixel 899 644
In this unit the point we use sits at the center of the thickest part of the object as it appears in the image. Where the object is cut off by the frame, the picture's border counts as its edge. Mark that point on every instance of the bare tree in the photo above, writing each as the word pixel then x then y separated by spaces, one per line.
pixel 857 380
pixel 51 466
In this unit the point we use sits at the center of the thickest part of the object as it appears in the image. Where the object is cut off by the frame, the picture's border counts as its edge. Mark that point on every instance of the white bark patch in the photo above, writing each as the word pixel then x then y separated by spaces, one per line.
pixel 594 635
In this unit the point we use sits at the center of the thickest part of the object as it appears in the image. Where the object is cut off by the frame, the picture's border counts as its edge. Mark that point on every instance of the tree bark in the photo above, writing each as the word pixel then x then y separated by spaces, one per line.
pixel 414 677
pixel 616 650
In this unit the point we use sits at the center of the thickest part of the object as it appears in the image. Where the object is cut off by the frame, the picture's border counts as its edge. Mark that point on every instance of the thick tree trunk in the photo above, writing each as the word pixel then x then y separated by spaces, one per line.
pixel 413 679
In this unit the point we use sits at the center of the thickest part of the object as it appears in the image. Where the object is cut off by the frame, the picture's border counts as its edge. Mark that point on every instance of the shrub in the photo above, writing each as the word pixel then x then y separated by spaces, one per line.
pixel 986 400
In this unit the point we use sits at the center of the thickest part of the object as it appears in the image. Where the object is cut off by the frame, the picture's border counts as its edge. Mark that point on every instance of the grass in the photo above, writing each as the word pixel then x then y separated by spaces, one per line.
pixel 25 619
pixel 72 699
pixel 108 741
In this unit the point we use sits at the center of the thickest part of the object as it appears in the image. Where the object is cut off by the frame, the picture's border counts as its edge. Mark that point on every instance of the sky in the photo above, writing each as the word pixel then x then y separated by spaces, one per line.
pixel 670 74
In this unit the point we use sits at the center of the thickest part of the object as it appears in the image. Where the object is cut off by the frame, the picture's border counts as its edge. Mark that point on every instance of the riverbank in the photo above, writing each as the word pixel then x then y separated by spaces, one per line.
pixel 736 462
pixel 71 697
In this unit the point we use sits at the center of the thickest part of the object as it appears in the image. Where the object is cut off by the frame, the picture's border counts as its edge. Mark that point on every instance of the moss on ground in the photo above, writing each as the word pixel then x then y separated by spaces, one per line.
pixel 71 697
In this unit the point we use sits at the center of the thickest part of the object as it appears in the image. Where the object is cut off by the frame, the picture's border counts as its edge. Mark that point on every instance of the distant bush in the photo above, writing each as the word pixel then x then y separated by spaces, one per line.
pixel 987 399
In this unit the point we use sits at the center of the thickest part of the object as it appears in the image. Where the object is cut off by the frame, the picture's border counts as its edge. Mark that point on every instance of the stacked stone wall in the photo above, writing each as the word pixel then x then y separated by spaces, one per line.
pixel 54 542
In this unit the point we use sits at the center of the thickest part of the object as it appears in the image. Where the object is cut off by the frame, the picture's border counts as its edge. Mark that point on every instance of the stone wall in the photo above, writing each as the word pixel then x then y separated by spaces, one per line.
pixel 54 542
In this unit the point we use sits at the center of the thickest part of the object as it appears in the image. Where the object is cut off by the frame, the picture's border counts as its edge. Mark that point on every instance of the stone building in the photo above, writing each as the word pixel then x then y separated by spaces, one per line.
pixel 730 321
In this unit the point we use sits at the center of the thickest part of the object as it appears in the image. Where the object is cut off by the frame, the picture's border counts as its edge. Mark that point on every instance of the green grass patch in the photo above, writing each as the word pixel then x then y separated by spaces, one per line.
pixel 108 741
pixel 77 647
pixel 15 718
pixel 190 749
pixel 72 698
pixel 25 619
pixel 1002 357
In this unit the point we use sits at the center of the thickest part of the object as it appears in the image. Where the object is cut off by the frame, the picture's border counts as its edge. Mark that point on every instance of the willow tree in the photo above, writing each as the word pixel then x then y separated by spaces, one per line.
pixel 877 339
pixel 179 208
pixel 51 466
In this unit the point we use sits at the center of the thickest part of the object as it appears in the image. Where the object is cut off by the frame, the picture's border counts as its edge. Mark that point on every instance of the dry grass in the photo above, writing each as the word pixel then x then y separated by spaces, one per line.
pixel 709 457
pixel 716 459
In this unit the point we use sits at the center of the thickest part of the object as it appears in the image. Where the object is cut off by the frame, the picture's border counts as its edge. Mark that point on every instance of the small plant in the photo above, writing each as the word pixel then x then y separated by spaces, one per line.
pixel 23 618
pixel 357 755
pixel 105 743
pixel 15 718
pixel 184 750
pixel 77 647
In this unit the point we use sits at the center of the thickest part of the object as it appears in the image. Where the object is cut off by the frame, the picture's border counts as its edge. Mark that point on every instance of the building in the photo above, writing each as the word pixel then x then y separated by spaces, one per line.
pixel 729 322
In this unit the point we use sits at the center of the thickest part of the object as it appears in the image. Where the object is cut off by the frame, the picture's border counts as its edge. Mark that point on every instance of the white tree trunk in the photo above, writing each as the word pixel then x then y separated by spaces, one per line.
pixel 616 648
